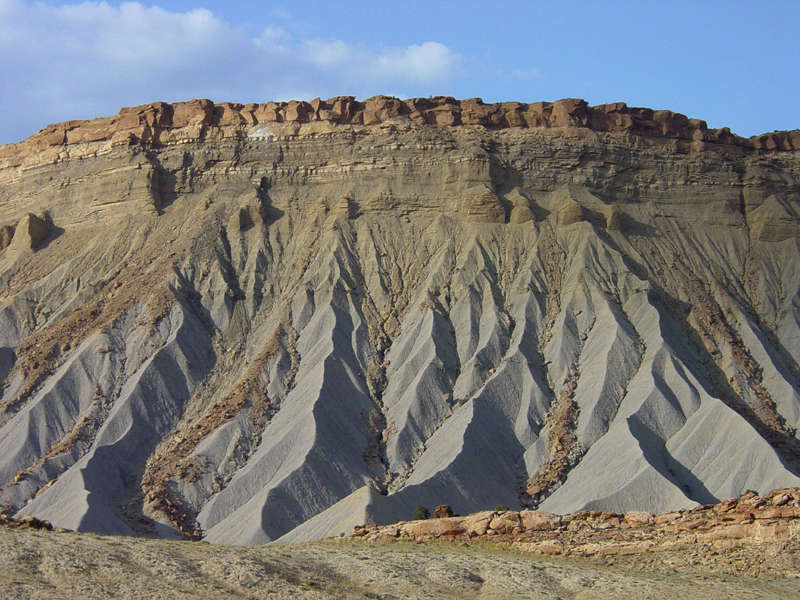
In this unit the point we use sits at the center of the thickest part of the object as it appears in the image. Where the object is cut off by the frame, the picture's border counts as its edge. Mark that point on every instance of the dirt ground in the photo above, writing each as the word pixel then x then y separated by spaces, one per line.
pixel 48 564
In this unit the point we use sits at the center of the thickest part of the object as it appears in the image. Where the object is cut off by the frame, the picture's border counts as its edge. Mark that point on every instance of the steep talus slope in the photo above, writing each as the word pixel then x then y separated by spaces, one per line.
pixel 280 326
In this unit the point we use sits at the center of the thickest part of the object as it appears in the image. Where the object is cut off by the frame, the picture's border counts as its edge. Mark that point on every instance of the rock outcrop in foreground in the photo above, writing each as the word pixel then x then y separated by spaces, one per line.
pixel 744 522
pixel 252 323
pixel 35 564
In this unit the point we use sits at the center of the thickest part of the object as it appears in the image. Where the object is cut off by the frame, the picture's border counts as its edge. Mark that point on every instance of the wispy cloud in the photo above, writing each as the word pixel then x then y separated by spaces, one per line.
pixel 526 74
pixel 83 60
pixel 420 62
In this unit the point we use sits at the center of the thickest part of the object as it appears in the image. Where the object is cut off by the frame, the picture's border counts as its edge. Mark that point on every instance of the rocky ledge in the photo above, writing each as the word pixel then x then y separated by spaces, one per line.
pixel 746 521
pixel 161 123
pixel 6 520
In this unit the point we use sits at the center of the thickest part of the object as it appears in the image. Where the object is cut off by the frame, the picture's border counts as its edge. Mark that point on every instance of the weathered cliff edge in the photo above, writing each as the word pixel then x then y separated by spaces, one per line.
pixel 160 123
pixel 748 520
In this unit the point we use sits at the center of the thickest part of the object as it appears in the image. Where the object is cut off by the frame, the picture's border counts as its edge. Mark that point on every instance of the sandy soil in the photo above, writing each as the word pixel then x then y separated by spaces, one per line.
pixel 41 564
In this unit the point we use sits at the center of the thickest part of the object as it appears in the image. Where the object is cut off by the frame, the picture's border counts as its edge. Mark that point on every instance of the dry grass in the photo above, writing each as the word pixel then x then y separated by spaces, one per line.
pixel 64 565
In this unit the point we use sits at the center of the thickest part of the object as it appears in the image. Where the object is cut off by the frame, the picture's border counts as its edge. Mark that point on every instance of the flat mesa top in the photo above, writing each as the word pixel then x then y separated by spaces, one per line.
pixel 161 123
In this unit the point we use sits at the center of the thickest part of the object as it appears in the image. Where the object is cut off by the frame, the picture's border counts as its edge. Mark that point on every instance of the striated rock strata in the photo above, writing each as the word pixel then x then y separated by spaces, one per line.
pixel 161 123
pixel 249 323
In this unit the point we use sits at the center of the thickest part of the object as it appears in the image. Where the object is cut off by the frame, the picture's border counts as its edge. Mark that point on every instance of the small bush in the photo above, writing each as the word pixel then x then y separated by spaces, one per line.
pixel 500 507
pixel 420 513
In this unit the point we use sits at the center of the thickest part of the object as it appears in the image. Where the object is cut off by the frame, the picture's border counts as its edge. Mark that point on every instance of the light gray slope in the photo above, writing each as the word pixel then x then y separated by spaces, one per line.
pixel 73 395
pixel 422 364
pixel 59 405
pixel 310 455
pixel 365 505
pixel 88 495
pixel 653 455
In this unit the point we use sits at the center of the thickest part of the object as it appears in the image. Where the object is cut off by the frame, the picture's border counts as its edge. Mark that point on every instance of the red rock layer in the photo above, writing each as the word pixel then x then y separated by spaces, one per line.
pixel 157 123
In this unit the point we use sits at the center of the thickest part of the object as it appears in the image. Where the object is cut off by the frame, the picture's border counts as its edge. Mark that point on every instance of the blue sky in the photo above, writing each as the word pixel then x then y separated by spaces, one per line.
pixel 731 63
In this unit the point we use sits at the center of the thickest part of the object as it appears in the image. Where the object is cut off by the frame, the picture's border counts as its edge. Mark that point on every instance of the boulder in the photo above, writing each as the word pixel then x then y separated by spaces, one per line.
pixel 298 112
pixel 539 520
pixel 432 528
pixel 781 499
pixel 442 511
pixel 478 523
pixel 381 108
pixel 570 112
pixel 638 518
pixel 505 522
pixel 667 517
pixel 778 512
pixel 193 112
pixel 549 547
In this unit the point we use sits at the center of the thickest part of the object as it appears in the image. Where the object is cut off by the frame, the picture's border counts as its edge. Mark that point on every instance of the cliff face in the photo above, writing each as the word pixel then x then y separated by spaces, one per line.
pixel 160 123
pixel 226 320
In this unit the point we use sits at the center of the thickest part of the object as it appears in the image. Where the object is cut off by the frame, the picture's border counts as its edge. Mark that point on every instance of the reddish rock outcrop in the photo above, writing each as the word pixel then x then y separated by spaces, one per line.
pixel 160 123
pixel 442 511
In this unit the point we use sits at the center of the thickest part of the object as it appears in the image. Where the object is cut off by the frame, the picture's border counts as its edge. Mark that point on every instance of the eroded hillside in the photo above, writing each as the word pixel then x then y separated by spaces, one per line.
pixel 263 322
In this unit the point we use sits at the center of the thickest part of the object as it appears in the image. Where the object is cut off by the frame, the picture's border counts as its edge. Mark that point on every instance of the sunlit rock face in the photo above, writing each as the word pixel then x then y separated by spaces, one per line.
pixel 258 322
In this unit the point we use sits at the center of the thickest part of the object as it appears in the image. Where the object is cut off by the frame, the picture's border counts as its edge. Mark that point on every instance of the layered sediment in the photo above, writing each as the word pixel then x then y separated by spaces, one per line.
pixel 161 123
pixel 250 323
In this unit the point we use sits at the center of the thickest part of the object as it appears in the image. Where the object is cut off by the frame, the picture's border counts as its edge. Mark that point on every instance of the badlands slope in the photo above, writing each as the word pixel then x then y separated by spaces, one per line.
pixel 275 322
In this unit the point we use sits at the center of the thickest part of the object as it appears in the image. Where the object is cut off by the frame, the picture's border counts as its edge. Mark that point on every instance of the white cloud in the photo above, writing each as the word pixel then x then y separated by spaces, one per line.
pixel 85 60
pixel 330 54
pixel 424 62
pixel 273 34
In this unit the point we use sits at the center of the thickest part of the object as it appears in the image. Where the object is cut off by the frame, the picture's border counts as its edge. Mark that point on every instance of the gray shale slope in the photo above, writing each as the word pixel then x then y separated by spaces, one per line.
pixel 275 322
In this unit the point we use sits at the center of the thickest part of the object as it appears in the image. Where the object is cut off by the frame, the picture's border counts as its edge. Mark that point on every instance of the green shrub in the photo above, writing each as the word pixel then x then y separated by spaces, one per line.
pixel 500 507
pixel 420 513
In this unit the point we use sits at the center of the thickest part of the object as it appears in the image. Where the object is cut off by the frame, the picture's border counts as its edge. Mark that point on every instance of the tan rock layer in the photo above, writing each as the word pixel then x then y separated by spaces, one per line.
pixel 162 123
pixel 749 519
pixel 6 520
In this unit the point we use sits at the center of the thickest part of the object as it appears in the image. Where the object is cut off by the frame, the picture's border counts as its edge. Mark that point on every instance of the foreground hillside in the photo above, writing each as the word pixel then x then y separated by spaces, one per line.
pixel 35 564
pixel 746 545
pixel 275 322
